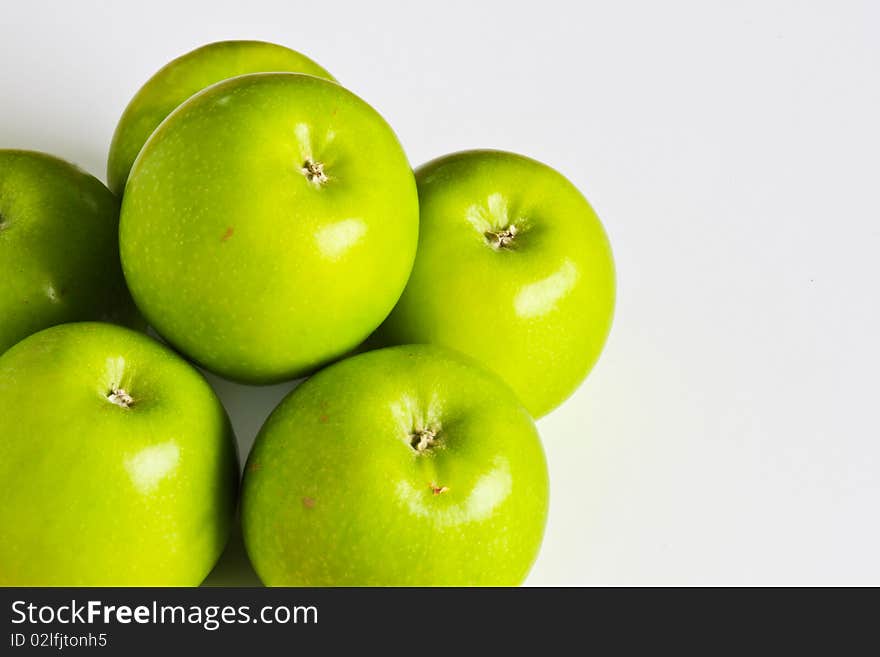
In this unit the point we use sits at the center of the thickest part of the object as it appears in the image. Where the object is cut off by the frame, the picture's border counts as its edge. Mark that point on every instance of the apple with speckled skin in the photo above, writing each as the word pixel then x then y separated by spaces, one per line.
pixel 513 268
pixel 269 225
pixel 59 253
pixel 407 466
pixel 118 466
pixel 185 76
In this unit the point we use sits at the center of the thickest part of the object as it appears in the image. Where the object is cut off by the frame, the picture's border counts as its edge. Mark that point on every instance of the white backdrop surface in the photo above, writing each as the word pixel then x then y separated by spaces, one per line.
pixel 730 433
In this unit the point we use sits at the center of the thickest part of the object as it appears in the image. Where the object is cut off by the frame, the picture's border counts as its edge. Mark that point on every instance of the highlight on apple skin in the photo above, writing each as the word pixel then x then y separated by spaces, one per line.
pixel 184 77
pixel 118 466
pixel 59 250
pixel 513 268
pixel 406 466
pixel 269 225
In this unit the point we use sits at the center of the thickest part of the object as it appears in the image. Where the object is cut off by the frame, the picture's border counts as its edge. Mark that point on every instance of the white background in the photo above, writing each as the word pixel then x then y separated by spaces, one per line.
pixel 730 432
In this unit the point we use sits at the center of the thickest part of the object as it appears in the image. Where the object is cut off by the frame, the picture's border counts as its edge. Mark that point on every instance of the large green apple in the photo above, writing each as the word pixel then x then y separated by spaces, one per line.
pixel 404 466
pixel 269 225
pixel 513 269
pixel 59 254
pixel 117 462
pixel 185 76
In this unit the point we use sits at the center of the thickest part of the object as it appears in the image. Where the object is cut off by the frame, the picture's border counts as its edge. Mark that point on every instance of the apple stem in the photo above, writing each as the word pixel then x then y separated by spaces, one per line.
pixel 314 172
pixel 120 397
pixel 501 239
pixel 422 439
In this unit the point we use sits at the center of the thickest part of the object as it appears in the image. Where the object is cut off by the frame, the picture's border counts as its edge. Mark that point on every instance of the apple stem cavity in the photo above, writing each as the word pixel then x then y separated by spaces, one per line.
pixel 120 397
pixel 314 173
pixel 501 239
pixel 422 440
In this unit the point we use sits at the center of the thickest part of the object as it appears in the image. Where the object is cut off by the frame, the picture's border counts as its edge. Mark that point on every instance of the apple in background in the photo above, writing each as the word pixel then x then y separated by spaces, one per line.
pixel 118 466
pixel 269 225
pixel 408 466
pixel 513 269
pixel 185 76
pixel 59 254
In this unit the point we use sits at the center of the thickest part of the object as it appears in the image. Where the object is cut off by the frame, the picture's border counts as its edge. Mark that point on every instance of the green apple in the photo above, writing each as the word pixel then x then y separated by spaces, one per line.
pixel 407 466
pixel 185 76
pixel 269 225
pixel 59 254
pixel 513 269
pixel 118 465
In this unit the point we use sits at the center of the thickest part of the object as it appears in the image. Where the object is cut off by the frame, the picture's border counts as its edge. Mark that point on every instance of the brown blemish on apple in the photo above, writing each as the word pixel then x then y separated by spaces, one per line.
pixel 229 231
pixel 253 467
pixel 438 490
pixel 308 502
pixel 120 397
pixel 324 417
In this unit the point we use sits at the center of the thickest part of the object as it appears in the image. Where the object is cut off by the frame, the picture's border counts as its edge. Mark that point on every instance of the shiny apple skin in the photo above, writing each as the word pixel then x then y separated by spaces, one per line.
pixel 182 78
pixel 98 494
pixel 537 310
pixel 334 493
pixel 59 252
pixel 234 253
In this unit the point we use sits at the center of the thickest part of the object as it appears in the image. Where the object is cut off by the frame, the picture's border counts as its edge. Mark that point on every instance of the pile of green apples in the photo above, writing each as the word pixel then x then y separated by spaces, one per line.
pixel 263 222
